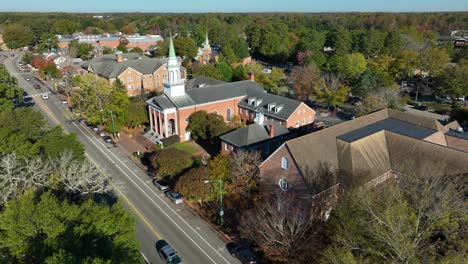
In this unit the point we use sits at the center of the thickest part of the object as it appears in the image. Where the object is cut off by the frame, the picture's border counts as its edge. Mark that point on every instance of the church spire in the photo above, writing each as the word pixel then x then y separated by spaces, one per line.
pixel 206 44
pixel 171 48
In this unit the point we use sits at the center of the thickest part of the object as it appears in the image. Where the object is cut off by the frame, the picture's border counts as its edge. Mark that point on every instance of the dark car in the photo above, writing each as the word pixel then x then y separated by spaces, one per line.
pixel 167 253
pixel 421 107
pixel 161 184
pixel 245 255
pixel 37 86
pixel 107 139
pixel 345 116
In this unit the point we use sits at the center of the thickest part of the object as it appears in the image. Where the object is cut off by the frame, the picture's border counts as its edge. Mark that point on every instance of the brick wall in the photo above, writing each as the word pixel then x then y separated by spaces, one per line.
pixel 132 81
pixel 302 116
pixel 271 172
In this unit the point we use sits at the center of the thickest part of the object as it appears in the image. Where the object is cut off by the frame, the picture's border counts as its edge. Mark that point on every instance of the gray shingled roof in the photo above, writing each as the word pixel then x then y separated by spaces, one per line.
pixel 253 133
pixel 202 81
pixel 161 101
pixel 107 65
pixel 390 124
pixel 209 94
pixel 289 105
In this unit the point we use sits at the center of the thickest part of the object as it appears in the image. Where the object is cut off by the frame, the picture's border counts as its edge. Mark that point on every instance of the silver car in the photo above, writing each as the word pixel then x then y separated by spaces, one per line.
pixel 161 184
pixel 175 197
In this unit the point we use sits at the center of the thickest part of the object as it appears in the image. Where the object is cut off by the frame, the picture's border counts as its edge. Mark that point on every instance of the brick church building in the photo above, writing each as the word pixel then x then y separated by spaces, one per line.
pixel 169 113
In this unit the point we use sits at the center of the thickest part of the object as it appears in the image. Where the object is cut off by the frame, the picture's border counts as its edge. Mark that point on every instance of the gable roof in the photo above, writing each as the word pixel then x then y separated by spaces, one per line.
pixel 212 93
pixel 288 105
pixel 202 81
pixel 107 65
pixel 253 133
pixel 378 142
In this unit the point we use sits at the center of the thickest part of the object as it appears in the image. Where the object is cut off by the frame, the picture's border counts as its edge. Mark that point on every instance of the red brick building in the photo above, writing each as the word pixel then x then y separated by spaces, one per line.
pixel 138 73
pixel 111 41
pixel 169 113
pixel 206 54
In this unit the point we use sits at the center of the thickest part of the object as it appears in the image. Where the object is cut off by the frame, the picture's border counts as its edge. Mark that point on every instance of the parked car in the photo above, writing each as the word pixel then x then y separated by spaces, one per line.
pixel 161 184
pixel 101 133
pixel 167 253
pixel 37 86
pixel 64 101
pixel 421 107
pixel 175 197
pixel 96 129
pixel 107 139
pixel 245 255
pixel 45 96
pixel 345 116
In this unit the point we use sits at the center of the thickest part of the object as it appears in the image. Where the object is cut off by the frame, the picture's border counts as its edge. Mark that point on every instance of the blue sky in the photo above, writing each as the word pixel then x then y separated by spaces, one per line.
pixel 198 6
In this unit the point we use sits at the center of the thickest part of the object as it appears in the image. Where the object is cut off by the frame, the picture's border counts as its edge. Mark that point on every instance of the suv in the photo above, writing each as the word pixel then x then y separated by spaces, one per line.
pixel 167 253
pixel 242 253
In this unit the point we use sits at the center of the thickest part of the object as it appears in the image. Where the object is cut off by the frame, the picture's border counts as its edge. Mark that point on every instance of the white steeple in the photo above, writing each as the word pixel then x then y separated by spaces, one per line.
pixel 174 86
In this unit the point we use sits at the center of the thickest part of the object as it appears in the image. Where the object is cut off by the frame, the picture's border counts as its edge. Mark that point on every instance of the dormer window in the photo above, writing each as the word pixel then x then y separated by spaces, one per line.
pixel 278 108
pixel 252 100
pixel 258 102
pixel 271 106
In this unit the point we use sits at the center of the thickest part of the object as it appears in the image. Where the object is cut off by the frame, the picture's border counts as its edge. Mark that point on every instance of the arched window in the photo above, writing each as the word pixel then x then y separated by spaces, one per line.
pixel 228 114
pixel 283 184
pixel 284 163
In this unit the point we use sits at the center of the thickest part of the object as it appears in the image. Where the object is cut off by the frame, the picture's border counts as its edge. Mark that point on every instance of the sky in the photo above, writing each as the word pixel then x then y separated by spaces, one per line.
pixel 202 6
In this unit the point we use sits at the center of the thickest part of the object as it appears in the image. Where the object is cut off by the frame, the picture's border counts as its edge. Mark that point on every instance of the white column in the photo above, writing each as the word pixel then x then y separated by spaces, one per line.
pixel 165 124
pixel 176 125
pixel 151 114
pixel 160 124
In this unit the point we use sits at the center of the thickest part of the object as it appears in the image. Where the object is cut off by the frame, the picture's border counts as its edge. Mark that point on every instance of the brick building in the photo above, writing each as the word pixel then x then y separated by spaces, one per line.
pixel 111 41
pixel 169 113
pixel 206 54
pixel 137 72
pixel 366 150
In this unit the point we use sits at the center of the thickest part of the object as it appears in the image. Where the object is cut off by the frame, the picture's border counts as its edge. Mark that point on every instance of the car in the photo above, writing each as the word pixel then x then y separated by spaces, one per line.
pixel 167 253
pixel 175 197
pixel 64 101
pixel 161 184
pixel 345 116
pixel 37 86
pixel 101 133
pixel 107 139
pixel 244 254
pixel 421 107
pixel 96 129
pixel 45 96
pixel 28 79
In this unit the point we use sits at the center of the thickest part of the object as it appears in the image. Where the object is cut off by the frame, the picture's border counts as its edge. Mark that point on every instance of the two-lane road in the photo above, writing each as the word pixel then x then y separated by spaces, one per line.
pixel 157 217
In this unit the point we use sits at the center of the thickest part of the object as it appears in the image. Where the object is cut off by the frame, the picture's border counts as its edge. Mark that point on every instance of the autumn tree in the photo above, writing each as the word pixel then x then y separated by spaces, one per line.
pixel 303 79
pixel 453 80
pixel 244 176
pixel 193 187
pixel 434 60
pixel 420 219
pixel 17 36
pixel 331 91
pixel 171 162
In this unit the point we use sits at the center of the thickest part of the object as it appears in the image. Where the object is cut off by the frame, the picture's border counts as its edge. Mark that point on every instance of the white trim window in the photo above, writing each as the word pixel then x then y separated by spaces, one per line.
pixel 283 184
pixel 228 114
pixel 226 146
pixel 284 163
pixel 310 119
pixel 304 121
pixel 130 79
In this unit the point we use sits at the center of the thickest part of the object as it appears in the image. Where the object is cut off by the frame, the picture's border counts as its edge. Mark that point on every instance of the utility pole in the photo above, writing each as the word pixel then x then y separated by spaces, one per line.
pixel 221 210
pixel 113 126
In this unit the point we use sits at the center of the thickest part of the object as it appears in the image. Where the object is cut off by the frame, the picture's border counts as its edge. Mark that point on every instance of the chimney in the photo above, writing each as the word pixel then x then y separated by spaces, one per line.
pixel 119 56
pixel 272 131
pixel 251 76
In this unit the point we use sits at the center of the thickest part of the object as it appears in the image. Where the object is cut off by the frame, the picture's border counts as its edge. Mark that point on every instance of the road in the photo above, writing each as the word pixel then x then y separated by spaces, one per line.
pixel 157 218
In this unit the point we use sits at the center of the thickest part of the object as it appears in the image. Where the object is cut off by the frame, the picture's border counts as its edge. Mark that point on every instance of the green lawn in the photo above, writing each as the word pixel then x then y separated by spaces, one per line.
pixel 187 147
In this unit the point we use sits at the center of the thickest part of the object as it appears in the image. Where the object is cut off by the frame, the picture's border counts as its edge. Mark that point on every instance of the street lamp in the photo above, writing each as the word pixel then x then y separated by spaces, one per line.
pixel 221 211
pixel 112 118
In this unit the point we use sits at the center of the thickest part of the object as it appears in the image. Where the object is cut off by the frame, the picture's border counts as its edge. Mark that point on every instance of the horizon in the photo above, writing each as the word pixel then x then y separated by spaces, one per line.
pixel 240 6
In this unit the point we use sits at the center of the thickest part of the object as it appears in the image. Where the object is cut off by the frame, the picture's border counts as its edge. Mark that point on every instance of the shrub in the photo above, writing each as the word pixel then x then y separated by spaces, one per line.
pixel 192 186
pixel 171 162
pixel 170 140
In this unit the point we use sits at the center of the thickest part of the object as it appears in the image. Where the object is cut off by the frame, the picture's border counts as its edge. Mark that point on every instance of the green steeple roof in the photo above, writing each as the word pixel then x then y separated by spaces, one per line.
pixel 171 49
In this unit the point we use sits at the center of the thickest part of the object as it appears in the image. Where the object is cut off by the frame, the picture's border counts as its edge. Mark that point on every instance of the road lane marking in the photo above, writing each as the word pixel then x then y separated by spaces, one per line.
pixel 148 196
pixel 127 200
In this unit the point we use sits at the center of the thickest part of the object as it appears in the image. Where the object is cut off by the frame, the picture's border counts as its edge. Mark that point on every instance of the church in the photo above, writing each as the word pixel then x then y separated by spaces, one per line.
pixel 169 113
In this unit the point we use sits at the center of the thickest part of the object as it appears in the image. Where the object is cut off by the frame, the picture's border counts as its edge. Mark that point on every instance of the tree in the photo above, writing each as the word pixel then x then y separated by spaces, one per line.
pixel 224 71
pixel 47 42
pixel 405 64
pixel 372 42
pixel 65 27
pixel 171 162
pixel 351 66
pixel 193 187
pixel 303 80
pixel 340 40
pixel 393 43
pixel 244 176
pixel 122 47
pixel 239 73
pixel 135 114
pixel 228 56
pixel 79 50
pixel 9 90
pixel 206 70
pixel 44 229
pixel 419 220
pixel 453 81
pixel 17 36
pixel 185 47
pixel 434 60
pixel 382 97
pixel 137 50
pixel 281 226
pixel 331 91
pixel 220 168
pixel 27 57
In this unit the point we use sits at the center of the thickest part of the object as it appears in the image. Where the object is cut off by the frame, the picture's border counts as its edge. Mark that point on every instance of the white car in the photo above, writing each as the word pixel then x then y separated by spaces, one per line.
pixel 64 102
pixel 45 96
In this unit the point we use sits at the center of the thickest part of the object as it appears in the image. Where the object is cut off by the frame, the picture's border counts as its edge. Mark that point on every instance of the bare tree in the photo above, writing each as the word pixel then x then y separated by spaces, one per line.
pixel 245 171
pixel 81 177
pixel 303 79
pixel 281 226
